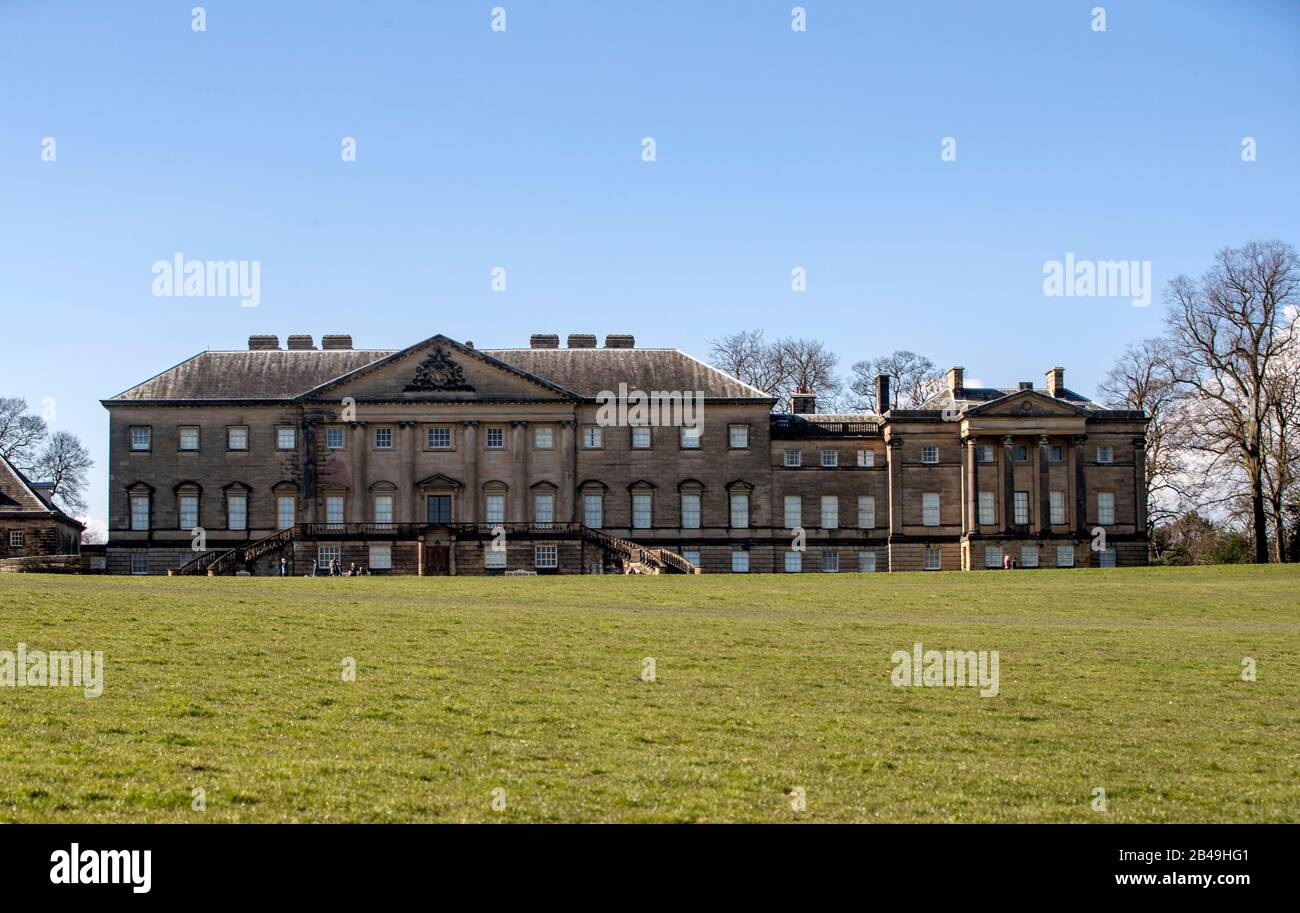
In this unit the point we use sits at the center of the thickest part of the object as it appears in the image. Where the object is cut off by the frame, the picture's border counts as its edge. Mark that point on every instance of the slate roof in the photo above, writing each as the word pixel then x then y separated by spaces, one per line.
pixel 19 495
pixel 275 374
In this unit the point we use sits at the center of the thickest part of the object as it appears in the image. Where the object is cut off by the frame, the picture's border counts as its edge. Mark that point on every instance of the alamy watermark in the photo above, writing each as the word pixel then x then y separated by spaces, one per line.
pixel 946 669
pixel 182 278
pixel 53 669
pixel 1071 278
pixel 657 408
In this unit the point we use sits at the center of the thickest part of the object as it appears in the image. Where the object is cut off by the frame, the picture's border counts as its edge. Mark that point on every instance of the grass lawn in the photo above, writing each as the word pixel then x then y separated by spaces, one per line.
pixel 1128 680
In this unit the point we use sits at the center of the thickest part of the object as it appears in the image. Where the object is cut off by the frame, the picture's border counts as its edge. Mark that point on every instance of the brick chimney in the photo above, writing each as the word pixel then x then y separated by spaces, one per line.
pixel 803 401
pixel 544 341
pixel 882 394
pixel 336 342
pixel 582 340
pixel 297 343
pixel 1056 382
pixel 263 343
pixel 620 341
pixel 956 382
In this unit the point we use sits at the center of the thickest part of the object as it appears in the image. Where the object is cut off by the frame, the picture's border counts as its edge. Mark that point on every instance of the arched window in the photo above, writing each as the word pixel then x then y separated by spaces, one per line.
pixel 188 496
pixel 643 503
pixel 495 493
pixel 236 496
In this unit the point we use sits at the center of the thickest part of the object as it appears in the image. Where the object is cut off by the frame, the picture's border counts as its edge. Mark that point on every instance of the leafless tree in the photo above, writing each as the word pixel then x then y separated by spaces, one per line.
pixel 809 365
pixel 21 432
pixel 1228 332
pixel 778 368
pixel 749 357
pixel 1281 450
pixel 913 379
pixel 64 462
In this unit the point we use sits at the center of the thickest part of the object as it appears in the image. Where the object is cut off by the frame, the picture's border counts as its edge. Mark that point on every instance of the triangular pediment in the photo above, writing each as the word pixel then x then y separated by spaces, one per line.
pixel 438 480
pixel 1025 403
pixel 439 369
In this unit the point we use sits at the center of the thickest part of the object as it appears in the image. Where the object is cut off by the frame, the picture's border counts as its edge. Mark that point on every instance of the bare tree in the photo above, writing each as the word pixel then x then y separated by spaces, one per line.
pixel 21 432
pixel 913 378
pixel 809 365
pixel 778 368
pixel 1228 331
pixel 1281 451
pixel 64 463
pixel 1140 380
pixel 747 356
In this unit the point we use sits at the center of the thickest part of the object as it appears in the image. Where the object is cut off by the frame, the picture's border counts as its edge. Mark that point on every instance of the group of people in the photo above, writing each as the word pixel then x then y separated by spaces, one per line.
pixel 333 568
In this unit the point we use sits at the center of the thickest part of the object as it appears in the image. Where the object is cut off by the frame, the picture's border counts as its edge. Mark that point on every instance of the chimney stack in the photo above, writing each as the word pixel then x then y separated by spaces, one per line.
pixel 1056 382
pixel 544 341
pixel 263 343
pixel 620 341
pixel 956 382
pixel 882 394
pixel 336 342
pixel 297 343
pixel 803 401
pixel 1026 385
pixel 582 340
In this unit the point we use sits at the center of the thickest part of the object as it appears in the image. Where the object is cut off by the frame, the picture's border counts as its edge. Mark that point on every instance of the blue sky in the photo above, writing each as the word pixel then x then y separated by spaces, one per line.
pixel 522 149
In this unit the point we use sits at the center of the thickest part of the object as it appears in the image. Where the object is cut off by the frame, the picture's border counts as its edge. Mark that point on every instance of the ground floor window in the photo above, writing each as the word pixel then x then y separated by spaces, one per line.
pixel 740 561
pixel 381 557
pixel 992 556
pixel 327 553
pixel 932 562
pixel 867 562
pixel 1029 556
pixel 17 538
pixel 1106 557
pixel 692 555
pixel 139 563
pixel 793 562
pixel 830 561
pixel 1065 556
pixel 546 556
pixel 494 558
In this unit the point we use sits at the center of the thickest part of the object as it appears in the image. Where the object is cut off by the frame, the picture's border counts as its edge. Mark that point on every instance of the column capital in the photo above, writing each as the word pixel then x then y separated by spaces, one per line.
pixel 358 424
pixel 407 423
pixel 519 423
pixel 1042 440
pixel 567 423
pixel 1079 439
pixel 1006 440
pixel 469 423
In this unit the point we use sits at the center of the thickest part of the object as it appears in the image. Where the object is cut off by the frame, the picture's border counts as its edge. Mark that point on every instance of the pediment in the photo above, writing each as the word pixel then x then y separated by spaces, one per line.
pixel 439 369
pixel 1024 404
pixel 438 480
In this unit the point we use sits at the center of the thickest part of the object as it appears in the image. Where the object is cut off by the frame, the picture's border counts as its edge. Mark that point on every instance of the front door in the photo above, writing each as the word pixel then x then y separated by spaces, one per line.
pixel 437 560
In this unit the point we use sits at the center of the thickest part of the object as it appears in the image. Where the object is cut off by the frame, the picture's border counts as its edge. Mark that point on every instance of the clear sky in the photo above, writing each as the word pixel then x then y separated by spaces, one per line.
pixel 522 149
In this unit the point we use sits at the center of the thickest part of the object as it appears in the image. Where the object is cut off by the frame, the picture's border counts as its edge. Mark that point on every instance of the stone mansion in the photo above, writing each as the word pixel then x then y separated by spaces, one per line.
pixel 443 458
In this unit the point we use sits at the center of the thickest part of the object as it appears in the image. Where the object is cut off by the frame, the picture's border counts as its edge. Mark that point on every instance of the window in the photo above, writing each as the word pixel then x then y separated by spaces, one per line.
pixel 830 459
pixel 1106 557
pixel 141 437
pixel 929 454
pixel 830 512
pixel 740 561
pixel 640 511
pixel 1105 507
pixel 740 512
pixel 1056 504
pixel 1020 453
pixel 189 511
pixel 284 511
pixel 496 438
pixel 1029 556
pixel 439 508
pixel 546 556
pixel 384 509
pixel 866 512
pixel 237 511
pixel 437 438
pixel 988 510
pixel 984 453
pixel 494 558
pixel 690 437
pixel 544 508
pixel 593 511
pixel 139 511
pixel 494 508
pixel 992 556
pixel 793 511
pixel 866 458
pixel 1105 454
pixel 793 562
pixel 1065 556
pixel 830 561
pixel 1055 453
pixel 932 559
pixel 793 458
pixel 381 558
pixel 334 437
pixel 384 438
pixel 1021 513
pixel 187 437
pixel 738 437
pixel 692 555
pixel 334 510
pixel 930 508
pixel 591 437
pixel 327 553
pixel 237 437
pixel 641 437
pixel 867 562
pixel 286 437
pixel 690 511
pixel 17 538
pixel 139 563
pixel 544 437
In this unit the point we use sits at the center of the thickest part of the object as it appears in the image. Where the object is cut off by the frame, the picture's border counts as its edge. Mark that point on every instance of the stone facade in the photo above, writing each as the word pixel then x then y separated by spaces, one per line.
pixel 31 524
pixel 412 461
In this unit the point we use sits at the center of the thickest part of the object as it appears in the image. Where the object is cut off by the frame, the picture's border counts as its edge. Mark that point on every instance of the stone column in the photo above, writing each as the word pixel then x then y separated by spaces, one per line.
pixel 1008 484
pixel 972 487
pixel 1080 485
pixel 1140 484
pixel 360 486
pixel 567 509
pixel 893 454
pixel 519 472
pixel 467 509
pixel 1038 500
pixel 403 508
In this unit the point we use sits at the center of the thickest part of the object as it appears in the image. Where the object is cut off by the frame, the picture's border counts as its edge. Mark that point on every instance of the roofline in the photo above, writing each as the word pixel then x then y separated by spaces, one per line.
pixel 156 376
pixel 53 510
pixel 766 397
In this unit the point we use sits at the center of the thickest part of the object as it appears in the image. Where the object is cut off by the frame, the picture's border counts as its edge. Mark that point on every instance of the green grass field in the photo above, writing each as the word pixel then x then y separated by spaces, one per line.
pixel 1128 680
